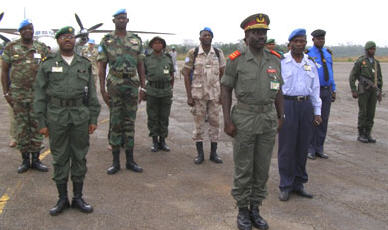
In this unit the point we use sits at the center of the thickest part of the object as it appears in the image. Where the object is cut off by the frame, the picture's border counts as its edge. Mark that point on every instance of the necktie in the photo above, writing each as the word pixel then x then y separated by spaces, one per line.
pixel 325 70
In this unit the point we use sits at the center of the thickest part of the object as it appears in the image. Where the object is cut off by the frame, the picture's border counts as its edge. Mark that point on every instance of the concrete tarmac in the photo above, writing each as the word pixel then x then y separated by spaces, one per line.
pixel 350 188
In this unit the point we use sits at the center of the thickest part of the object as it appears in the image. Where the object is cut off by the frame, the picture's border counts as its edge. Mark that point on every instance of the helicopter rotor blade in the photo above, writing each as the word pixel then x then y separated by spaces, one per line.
pixel 79 21
pixel 95 27
pixel 4 38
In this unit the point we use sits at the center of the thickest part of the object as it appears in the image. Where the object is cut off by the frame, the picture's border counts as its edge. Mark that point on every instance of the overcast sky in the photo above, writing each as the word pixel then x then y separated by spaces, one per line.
pixel 346 22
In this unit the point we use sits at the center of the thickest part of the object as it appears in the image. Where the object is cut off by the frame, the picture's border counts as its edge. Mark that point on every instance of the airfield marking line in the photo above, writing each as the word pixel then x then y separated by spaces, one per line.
pixel 3 202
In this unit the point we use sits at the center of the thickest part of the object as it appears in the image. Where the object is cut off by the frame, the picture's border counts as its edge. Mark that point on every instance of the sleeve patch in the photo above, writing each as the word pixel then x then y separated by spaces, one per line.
pixel 234 55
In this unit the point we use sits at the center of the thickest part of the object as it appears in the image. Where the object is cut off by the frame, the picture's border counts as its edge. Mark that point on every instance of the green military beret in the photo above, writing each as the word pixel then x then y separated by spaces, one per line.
pixel 370 44
pixel 256 21
pixel 157 38
pixel 270 41
pixel 64 30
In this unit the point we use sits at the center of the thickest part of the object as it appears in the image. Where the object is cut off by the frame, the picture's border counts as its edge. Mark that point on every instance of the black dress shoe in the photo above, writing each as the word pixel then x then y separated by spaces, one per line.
pixel 243 219
pixel 311 156
pixel 322 155
pixel 257 220
pixel 284 195
pixel 303 193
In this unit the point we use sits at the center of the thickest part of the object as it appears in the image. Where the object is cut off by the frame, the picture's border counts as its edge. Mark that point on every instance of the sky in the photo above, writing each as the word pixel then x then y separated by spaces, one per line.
pixel 346 22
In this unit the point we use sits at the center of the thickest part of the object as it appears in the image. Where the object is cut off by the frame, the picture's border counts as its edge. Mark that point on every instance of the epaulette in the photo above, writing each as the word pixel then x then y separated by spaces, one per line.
pixel 306 51
pixel 330 52
pixel 84 58
pixel 234 55
pixel 49 56
pixel 276 54
pixel 137 36
pixel 312 59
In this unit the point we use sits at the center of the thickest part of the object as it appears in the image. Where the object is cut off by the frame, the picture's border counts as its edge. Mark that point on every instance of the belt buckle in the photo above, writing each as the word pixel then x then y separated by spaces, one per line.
pixel 299 98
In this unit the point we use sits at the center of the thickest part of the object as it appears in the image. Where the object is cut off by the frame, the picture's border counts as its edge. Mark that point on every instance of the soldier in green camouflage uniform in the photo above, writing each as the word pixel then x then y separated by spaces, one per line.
pixel 20 64
pixel 123 51
pixel 67 107
pixel 367 72
pixel 91 53
pixel 255 76
pixel 159 70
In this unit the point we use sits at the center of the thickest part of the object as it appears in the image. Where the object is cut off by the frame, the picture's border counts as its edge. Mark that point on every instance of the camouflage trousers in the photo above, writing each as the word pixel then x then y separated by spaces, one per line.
pixel 201 109
pixel 12 125
pixel 123 107
pixel 28 138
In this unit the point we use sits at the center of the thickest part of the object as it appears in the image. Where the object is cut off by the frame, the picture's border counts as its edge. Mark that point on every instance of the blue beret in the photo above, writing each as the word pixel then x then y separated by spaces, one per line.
pixel 120 11
pixel 91 41
pixel 208 30
pixel 24 23
pixel 296 33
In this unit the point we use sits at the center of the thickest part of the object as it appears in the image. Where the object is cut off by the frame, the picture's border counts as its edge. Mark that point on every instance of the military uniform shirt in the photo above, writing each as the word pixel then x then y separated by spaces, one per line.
pixel 91 55
pixel 206 79
pixel 56 79
pixel 24 66
pixel 314 53
pixel 252 78
pixel 363 67
pixel 158 68
pixel 301 79
pixel 122 54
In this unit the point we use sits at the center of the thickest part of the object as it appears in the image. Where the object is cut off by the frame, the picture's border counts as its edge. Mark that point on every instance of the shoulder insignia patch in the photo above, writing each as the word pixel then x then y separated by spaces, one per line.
pixel 306 51
pixel 234 55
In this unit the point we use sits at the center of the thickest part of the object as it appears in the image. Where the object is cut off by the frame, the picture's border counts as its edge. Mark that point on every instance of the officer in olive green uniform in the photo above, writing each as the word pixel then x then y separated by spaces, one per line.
pixel 67 108
pixel 255 76
pixel 20 64
pixel 123 51
pixel 367 72
pixel 159 70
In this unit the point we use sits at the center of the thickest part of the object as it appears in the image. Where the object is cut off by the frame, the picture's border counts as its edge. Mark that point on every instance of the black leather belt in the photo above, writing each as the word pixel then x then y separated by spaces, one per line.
pixel 325 87
pixel 296 98
pixel 66 102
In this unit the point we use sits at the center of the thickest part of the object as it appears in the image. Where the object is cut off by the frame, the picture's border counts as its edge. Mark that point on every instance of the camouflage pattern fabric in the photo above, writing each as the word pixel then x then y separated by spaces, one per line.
pixel 24 63
pixel 91 55
pixel 122 55
pixel 201 108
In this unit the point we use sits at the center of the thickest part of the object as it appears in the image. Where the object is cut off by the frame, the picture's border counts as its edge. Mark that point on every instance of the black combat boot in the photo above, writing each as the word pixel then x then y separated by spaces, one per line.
pixel 200 158
pixel 77 201
pixel 361 136
pixel 131 164
pixel 25 163
pixel 213 153
pixel 37 164
pixel 155 144
pixel 369 137
pixel 257 220
pixel 162 144
pixel 116 162
pixel 63 201
pixel 243 219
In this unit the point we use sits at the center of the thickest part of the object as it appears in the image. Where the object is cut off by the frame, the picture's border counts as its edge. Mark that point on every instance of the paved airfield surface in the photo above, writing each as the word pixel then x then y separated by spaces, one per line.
pixel 350 188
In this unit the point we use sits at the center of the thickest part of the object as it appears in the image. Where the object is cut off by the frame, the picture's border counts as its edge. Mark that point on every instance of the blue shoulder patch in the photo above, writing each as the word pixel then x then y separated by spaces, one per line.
pixel 99 49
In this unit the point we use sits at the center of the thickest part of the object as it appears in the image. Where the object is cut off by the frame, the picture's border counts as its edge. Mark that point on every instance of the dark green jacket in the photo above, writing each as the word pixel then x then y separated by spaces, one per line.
pixel 159 69
pixel 363 67
pixel 56 79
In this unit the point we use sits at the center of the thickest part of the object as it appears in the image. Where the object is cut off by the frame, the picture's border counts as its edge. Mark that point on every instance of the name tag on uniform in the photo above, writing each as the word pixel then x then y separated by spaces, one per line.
pixel 57 69
pixel 307 67
pixel 37 56
pixel 166 71
pixel 28 61
pixel 275 85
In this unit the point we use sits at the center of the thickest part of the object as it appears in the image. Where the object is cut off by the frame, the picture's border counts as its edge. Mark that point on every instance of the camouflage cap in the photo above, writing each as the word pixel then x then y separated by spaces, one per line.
pixel 24 23
pixel 370 44
pixel 64 30
pixel 256 21
pixel 318 33
pixel 270 41
pixel 157 38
